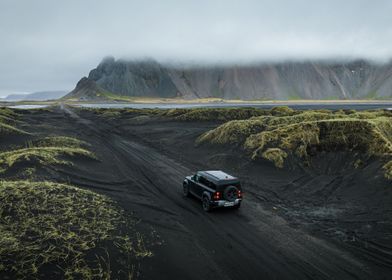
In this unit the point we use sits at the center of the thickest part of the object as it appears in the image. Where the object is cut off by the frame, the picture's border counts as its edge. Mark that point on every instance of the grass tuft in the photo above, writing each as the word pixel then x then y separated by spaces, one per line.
pixel 282 111
pixel 276 155
pixel 51 230
pixel 388 170
pixel 59 141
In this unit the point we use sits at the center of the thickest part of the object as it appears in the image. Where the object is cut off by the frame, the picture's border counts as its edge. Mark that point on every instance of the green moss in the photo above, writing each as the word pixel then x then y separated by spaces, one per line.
pixel 351 134
pixel 194 114
pixel 9 129
pixel 282 111
pixel 215 114
pixel 174 112
pixel 233 132
pixel 296 138
pixel 111 114
pixel 51 230
pixel 42 155
pixel 58 141
pixel 8 121
pixel 7 112
pixel 296 133
pixel 276 155
pixel 388 170
pixel 45 151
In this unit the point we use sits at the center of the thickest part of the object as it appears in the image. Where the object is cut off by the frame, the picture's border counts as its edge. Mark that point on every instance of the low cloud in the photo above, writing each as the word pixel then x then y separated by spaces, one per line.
pixel 49 45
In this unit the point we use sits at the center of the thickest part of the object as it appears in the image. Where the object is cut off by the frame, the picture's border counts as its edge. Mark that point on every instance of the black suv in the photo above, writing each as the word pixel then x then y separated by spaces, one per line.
pixel 214 188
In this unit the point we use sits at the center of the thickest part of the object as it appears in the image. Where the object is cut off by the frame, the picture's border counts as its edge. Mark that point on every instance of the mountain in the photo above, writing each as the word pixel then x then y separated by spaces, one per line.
pixel 14 97
pixel 282 81
pixel 36 96
pixel 87 89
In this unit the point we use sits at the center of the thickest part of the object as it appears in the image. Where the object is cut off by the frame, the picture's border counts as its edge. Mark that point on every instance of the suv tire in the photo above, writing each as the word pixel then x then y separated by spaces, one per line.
pixel 206 204
pixel 185 190
pixel 230 193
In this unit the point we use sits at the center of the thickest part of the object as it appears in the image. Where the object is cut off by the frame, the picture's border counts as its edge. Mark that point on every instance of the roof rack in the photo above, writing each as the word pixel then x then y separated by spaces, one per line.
pixel 217 175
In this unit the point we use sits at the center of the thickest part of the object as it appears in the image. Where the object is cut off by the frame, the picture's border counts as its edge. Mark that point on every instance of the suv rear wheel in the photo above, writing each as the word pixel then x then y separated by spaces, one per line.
pixel 230 193
pixel 206 204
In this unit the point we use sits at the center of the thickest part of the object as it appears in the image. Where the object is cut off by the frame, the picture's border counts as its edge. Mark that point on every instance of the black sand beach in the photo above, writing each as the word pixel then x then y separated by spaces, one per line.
pixel 330 221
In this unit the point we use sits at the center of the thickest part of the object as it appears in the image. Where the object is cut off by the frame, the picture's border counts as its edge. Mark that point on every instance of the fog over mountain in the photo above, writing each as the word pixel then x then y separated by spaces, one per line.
pixel 358 79
pixel 51 44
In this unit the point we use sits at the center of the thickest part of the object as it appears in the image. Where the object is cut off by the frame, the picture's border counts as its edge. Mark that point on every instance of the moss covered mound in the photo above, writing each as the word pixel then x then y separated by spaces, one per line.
pixel 233 132
pixel 282 111
pixel 46 151
pixel 59 141
pixel 189 114
pixel 279 134
pixel 60 231
pixel 328 135
pixel 214 114
pixel 7 112
pixel 8 121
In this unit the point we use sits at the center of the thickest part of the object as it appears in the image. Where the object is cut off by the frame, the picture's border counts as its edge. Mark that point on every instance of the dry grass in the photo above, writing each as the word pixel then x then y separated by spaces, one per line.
pixel 296 133
pixel 46 151
pixel 215 114
pixel 56 231
pixel 388 170
pixel 282 111
pixel 7 112
pixel 195 114
pixel 232 132
pixel 51 230
pixel 58 141
pixel 276 155
pixel 8 120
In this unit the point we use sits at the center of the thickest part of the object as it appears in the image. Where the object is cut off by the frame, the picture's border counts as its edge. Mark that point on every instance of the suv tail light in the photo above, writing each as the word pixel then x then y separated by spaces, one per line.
pixel 217 195
pixel 239 194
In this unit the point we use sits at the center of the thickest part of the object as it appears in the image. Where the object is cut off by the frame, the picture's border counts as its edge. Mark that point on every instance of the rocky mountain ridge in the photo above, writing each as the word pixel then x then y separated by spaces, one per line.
pixel 281 81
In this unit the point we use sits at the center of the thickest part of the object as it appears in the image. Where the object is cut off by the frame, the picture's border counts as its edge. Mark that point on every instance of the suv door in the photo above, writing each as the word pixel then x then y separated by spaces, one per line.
pixel 205 185
pixel 194 186
pixel 202 183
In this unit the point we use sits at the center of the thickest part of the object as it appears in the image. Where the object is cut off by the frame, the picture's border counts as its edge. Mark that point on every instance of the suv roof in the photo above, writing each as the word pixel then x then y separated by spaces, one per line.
pixel 218 177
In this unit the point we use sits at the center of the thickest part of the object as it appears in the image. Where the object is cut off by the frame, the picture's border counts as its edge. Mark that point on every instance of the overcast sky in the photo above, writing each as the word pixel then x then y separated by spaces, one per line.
pixel 50 45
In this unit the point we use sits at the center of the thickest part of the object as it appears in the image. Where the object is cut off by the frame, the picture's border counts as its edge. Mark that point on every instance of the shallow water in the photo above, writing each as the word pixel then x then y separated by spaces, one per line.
pixel 304 106
pixel 27 106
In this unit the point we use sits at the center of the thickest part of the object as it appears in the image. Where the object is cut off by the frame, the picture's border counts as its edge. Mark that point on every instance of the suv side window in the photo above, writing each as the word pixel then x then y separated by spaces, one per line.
pixel 197 177
pixel 207 183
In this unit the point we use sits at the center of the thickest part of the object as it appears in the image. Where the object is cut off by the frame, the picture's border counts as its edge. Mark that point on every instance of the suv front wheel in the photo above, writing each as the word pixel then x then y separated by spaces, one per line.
pixel 185 189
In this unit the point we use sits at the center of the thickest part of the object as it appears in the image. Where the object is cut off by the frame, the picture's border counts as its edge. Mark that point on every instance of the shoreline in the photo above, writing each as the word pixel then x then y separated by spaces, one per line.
pixel 199 101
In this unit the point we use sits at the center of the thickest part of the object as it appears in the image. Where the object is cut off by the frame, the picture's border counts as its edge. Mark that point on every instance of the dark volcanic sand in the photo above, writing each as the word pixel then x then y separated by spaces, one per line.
pixel 326 222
